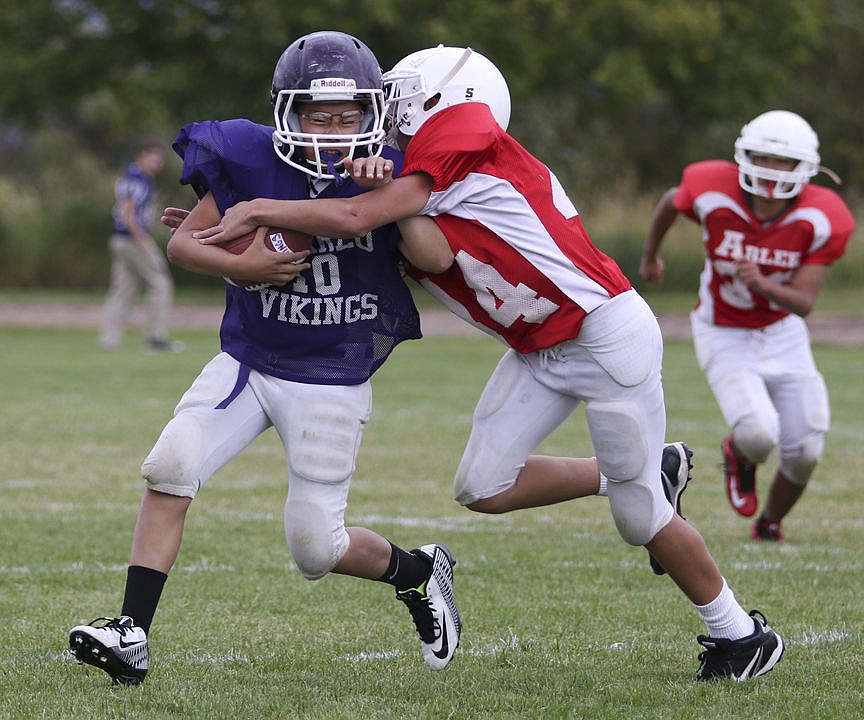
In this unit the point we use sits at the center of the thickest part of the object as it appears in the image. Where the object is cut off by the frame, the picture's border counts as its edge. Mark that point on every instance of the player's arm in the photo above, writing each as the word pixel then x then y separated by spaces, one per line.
pixel 256 264
pixel 424 244
pixel 665 213
pixel 402 198
pixel 798 296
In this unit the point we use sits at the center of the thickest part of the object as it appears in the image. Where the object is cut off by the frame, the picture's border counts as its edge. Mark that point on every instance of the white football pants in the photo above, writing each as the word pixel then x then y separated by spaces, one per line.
pixel 320 427
pixel 614 366
pixel 768 389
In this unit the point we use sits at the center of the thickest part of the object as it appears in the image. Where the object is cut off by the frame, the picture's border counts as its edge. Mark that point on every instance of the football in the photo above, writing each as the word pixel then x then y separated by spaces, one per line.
pixel 280 240
pixel 276 239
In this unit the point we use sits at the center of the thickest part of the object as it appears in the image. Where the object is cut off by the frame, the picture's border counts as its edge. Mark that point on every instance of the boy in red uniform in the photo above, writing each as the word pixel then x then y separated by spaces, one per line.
pixel 769 236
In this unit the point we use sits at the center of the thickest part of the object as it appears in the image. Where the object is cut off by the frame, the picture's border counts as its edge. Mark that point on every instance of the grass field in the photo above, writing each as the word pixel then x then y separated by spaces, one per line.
pixel 562 619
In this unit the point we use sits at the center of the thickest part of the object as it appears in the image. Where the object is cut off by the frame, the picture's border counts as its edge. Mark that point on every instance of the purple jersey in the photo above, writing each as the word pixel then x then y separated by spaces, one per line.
pixel 337 322
pixel 140 188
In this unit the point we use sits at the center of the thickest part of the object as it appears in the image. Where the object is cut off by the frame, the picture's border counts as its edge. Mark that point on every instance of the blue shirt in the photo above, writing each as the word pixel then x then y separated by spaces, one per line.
pixel 138 187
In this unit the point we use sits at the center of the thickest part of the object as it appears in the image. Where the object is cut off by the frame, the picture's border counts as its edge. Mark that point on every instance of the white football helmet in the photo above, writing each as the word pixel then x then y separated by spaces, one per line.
pixel 430 80
pixel 326 66
pixel 781 134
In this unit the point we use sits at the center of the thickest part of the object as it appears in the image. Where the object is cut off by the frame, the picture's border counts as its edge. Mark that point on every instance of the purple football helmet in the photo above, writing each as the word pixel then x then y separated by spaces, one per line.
pixel 326 66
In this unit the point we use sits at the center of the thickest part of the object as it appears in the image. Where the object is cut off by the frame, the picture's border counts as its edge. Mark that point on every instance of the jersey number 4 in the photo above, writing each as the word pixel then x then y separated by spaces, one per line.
pixel 504 302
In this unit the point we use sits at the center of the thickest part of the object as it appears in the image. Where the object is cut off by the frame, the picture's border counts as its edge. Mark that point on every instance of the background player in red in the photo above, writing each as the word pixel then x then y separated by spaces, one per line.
pixel 297 353
pixel 524 270
pixel 769 236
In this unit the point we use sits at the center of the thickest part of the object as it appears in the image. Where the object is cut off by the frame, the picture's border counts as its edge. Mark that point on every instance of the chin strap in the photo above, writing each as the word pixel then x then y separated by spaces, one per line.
pixel 450 74
pixel 831 174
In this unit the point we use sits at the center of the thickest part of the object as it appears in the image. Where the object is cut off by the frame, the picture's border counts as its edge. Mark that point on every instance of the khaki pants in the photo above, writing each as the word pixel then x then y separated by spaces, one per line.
pixel 133 267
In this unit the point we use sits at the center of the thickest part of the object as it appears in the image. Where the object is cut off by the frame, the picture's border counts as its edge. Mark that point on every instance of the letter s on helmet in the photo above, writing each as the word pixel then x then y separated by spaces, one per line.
pixel 782 134
pixel 456 75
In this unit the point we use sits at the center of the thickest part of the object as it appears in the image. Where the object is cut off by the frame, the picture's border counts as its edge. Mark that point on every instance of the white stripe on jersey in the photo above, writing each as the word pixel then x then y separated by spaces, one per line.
pixel 710 201
pixel 818 219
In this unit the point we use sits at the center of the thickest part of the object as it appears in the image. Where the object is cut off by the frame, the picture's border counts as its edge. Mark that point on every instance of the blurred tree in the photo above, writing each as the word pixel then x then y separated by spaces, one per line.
pixel 616 95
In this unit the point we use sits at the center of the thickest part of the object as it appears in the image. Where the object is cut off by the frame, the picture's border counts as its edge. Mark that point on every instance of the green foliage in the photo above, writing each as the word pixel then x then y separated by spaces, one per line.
pixel 77 235
pixel 615 95
pixel 562 619
pixel 660 73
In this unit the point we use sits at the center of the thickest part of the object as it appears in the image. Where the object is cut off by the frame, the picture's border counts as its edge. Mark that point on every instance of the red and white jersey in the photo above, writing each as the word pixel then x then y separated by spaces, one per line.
pixel 526 271
pixel 814 230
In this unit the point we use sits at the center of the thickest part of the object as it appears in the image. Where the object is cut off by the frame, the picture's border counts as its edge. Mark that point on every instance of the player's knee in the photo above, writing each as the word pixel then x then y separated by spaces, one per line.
pixel 174 464
pixel 494 505
pixel 315 544
pixel 639 511
pixel 756 438
pixel 799 463
pixel 483 480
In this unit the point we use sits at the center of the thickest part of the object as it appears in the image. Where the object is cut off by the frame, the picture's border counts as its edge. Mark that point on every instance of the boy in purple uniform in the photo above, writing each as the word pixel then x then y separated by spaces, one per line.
pixel 136 260
pixel 283 364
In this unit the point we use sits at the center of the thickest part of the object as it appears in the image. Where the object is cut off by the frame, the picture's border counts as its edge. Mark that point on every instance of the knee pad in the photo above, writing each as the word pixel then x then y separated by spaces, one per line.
pixel 173 466
pixel 755 438
pixel 480 477
pixel 798 461
pixel 316 546
pixel 640 510
pixel 798 464
pixel 747 408
pixel 618 433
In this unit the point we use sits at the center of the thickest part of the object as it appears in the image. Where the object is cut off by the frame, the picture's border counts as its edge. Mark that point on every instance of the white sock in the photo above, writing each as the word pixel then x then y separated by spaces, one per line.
pixel 602 491
pixel 724 617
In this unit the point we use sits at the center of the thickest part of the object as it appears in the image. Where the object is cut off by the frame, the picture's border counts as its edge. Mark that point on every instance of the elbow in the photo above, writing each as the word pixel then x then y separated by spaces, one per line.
pixel 171 252
pixel 803 310
pixel 355 222
pixel 355 226
pixel 440 263
pixel 178 252
pixel 433 261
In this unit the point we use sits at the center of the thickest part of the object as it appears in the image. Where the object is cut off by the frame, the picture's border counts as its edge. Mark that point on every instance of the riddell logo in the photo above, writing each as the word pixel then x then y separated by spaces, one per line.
pixel 333 84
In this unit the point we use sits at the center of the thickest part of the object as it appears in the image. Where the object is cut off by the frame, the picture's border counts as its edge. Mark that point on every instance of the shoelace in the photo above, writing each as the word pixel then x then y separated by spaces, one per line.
pixel 420 607
pixel 113 624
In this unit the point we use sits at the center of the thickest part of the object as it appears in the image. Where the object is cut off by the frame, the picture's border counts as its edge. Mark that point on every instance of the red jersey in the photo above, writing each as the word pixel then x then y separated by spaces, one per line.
pixel 525 270
pixel 814 229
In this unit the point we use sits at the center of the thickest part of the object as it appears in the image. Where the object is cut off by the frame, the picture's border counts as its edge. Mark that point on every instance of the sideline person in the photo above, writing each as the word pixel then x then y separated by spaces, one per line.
pixel 136 259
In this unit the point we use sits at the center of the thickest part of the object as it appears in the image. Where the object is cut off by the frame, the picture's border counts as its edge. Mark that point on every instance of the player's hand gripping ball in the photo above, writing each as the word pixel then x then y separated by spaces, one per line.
pixel 281 240
pixel 277 239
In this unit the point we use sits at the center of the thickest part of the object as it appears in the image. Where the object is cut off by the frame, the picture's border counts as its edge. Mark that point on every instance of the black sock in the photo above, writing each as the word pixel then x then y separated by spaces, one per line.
pixel 143 590
pixel 406 570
